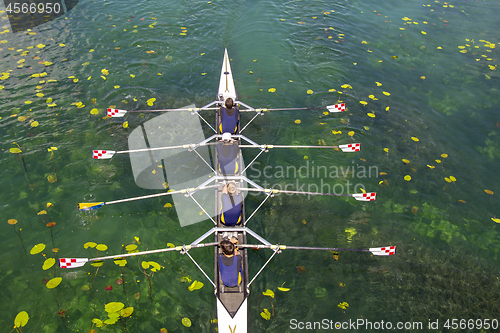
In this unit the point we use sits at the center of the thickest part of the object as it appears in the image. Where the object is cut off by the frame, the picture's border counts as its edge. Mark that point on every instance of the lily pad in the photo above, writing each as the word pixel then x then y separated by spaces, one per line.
pixel 114 307
pixel 269 293
pixel 54 282
pixel 101 247
pixel 266 314
pixel 37 248
pixel 121 262
pixel 186 322
pixel 21 319
pixel 89 244
pixel 130 247
pixel 196 285
pixel 48 263
pixel 127 312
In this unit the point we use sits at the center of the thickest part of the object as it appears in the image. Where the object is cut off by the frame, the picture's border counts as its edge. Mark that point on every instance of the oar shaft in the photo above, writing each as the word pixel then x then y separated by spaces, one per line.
pixel 177 248
pixel 281 109
pixel 285 146
pixel 170 110
pixel 293 192
pixel 165 148
pixel 286 247
pixel 156 195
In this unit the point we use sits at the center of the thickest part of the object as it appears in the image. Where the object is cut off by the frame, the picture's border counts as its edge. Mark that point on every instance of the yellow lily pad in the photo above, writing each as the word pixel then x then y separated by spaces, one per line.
pixel 54 282
pixel 196 285
pixel 89 244
pixel 127 312
pixel 114 307
pixel 268 292
pixel 186 322
pixel 101 247
pixel 37 248
pixel 48 263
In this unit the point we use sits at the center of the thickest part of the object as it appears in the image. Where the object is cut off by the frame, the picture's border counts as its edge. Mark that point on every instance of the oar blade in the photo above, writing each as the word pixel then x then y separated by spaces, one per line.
pixel 102 154
pixel 383 251
pixel 90 205
pixel 371 196
pixel 72 262
pixel 336 107
pixel 116 113
pixel 351 147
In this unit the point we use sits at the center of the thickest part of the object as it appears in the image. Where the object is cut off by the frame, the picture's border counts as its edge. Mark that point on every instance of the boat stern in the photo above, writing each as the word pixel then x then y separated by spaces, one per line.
pixel 228 324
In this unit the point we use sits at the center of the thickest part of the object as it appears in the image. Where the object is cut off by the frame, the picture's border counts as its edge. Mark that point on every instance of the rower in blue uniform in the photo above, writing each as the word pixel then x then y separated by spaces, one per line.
pixel 231 211
pixel 230 264
pixel 228 154
pixel 229 117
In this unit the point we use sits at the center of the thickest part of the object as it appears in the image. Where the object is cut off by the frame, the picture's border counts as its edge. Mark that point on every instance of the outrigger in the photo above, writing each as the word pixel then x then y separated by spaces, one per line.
pixel 231 301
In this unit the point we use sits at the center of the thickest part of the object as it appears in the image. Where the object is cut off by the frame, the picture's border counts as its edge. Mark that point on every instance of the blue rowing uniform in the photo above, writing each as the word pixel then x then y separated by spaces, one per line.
pixel 231 209
pixel 230 275
pixel 229 124
pixel 228 158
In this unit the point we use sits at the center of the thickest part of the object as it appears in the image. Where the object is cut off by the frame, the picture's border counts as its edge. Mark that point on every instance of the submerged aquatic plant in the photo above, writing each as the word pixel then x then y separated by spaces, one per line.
pixel 18 232
pixel 19 151
pixel 153 267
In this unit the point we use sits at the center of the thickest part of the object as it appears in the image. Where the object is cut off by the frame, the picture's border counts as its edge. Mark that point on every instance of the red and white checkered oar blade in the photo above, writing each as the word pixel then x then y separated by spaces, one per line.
pixel 103 154
pixel 116 113
pixel 336 108
pixel 365 196
pixel 351 147
pixel 383 251
pixel 72 262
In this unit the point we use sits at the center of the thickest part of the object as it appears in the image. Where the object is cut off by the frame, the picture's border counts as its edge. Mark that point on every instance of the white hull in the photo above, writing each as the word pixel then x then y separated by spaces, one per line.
pixel 226 324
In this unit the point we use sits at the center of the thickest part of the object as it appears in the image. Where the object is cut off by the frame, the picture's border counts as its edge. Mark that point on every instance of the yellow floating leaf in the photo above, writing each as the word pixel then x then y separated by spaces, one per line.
pixel 386 93
pixel 423 32
pixel 40 46
pixel 283 288
pixel 104 71
pixel 37 248
pixel 127 312
pixel 310 92
pixel 116 87
pixel 378 84
pixel 272 90
pixel 265 313
pixel 383 173
pixel 53 282
pixel 101 247
pixel 444 155
pixel 52 105
pixel 343 305
pixel 89 244
pixel 28 102
pixel 196 285
pixel 372 115
pixel 415 139
pixel 405 161
pixel 168 205
pixel 145 265
pixel 42 212
pixel 463 51
pixel 351 133
pixel 186 322
pixel 407 178
pixel 132 75
pixel 438 161
pixel 431 166
pixel 336 132
pixel 386 150
pixel 489 191
pixel 120 262
pixel 103 77
pixel 447 179
pixel 203 73
pixel 94 111
pixel 154 266
pixel 21 319
pixel 422 77
pixel 346 86
pixel 496 220
pixel 371 96
pixel 62 45
pixel 453 179
pixel 125 124
pixel 363 102
pixel 297 121
pixel 269 293
pixel 15 150
pixel 114 307
pixel 48 263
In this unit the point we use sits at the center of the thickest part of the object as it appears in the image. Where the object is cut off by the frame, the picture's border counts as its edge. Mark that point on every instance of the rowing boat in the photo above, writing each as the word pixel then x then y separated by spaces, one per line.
pixel 232 307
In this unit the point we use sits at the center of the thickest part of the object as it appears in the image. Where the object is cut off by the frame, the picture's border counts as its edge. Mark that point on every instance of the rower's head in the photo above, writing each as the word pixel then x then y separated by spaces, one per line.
pixel 229 103
pixel 231 188
pixel 227 247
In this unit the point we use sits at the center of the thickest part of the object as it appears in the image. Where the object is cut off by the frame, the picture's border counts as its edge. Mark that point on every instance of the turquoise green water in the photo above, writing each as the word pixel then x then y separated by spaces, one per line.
pixel 447 263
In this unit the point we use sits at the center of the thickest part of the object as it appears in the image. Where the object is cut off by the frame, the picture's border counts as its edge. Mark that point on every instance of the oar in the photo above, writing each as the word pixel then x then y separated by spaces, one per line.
pixel 107 154
pixel 94 205
pixel 347 148
pixel 332 108
pixel 78 262
pixel 377 251
pixel 115 113
pixel 370 196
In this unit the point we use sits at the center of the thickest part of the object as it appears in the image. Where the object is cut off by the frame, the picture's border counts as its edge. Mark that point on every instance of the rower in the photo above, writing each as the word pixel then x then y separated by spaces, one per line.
pixel 229 117
pixel 231 206
pixel 230 264
pixel 228 152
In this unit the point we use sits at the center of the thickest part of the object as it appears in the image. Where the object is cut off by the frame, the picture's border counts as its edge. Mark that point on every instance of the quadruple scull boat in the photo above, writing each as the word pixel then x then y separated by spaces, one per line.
pixel 232 307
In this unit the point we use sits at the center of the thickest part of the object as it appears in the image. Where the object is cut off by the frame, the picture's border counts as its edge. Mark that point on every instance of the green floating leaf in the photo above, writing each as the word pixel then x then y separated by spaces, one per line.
pixel 54 282
pixel 37 248
pixel 114 307
pixel 186 322
pixel 21 319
